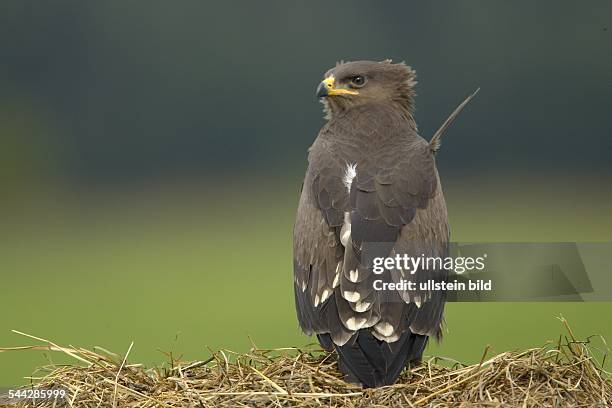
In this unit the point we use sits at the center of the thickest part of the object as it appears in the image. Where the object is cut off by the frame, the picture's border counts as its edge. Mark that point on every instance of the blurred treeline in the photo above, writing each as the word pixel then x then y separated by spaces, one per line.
pixel 113 92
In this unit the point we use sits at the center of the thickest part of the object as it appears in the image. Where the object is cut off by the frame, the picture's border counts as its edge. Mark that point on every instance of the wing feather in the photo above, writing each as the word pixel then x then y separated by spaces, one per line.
pixel 393 205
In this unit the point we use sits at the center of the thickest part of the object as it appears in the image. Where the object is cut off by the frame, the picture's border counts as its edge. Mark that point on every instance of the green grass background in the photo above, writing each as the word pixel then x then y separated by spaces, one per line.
pixel 181 268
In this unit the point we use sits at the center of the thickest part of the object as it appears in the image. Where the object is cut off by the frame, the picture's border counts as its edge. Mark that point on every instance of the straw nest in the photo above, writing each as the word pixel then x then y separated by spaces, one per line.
pixel 562 373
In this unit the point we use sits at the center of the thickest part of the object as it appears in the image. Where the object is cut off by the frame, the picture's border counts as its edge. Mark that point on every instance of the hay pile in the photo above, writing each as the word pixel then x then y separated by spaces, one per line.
pixel 561 374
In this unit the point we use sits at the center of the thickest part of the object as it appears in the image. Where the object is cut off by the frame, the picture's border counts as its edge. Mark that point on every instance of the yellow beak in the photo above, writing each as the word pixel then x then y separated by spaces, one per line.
pixel 327 88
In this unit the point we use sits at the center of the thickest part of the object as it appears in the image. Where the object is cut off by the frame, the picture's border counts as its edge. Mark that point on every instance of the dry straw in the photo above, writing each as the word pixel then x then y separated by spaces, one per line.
pixel 563 373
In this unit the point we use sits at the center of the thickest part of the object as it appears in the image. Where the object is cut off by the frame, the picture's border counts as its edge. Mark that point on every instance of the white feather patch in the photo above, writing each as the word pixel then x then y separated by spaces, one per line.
pixel 355 323
pixel 354 275
pixel 336 281
pixel 390 339
pixel 349 175
pixel 325 295
pixel 351 296
pixel 316 302
pixel 384 328
pixel 362 306
pixel 417 301
pixel 345 232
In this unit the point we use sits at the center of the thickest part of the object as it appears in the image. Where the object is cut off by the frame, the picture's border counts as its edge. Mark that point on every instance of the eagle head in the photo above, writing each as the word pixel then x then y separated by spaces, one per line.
pixel 355 83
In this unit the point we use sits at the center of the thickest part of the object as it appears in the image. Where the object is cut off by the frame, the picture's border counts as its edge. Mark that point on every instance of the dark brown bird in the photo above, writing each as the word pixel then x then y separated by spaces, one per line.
pixel 371 190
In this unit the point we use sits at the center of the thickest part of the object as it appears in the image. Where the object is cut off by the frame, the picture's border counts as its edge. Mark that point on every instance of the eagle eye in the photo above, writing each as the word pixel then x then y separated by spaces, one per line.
pixel 358 81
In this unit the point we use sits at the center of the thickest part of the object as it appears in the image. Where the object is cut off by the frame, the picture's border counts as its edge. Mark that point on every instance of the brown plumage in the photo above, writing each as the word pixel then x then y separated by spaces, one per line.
pixel 371 190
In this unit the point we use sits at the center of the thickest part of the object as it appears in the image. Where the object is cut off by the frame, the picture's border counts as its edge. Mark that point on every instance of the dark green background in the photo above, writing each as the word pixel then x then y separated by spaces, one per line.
pixel 152 154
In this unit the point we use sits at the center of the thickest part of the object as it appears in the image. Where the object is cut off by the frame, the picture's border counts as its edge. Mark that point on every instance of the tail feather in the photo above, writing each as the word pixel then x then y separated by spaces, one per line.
pixel 375 363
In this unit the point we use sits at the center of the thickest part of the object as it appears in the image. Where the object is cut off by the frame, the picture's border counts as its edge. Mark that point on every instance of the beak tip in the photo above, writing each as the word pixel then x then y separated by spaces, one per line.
pixel 321 90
